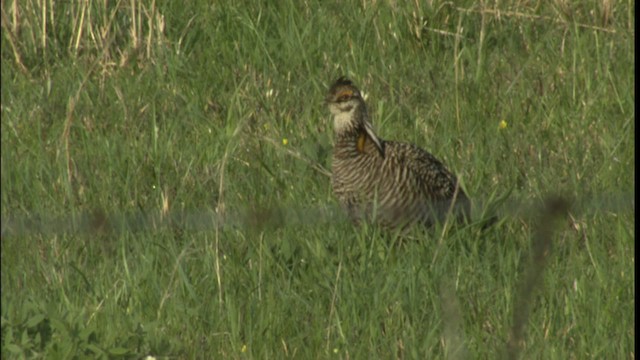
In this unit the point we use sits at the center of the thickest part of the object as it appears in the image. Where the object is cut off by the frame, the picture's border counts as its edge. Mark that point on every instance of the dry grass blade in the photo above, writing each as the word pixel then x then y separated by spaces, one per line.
pixel 13 42
pixel 518 14
pixel 333 306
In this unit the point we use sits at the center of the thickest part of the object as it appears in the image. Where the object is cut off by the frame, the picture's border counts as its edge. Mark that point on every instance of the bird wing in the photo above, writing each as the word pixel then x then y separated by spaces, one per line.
pixel 430 174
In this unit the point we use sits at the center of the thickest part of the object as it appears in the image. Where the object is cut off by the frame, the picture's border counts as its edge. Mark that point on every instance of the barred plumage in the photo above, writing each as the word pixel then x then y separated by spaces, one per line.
pixel 393 184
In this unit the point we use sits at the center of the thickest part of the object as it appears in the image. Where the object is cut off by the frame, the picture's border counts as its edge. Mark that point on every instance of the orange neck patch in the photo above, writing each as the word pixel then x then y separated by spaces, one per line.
pixel 362 139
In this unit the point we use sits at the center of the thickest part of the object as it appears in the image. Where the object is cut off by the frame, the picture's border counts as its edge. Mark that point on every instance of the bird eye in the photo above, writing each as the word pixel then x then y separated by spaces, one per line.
pixel 344 96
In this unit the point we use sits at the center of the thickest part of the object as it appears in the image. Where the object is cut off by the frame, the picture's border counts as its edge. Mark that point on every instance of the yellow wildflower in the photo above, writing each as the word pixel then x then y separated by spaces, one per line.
pixel 285 141
pixel 502 125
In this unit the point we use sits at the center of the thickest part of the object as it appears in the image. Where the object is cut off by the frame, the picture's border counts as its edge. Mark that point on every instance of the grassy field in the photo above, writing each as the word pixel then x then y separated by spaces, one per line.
pixel 165 180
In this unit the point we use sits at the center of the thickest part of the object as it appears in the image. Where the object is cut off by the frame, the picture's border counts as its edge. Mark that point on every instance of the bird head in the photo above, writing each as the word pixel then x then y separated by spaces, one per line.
pixel 343 97
pixel 346 105
pixel 349 110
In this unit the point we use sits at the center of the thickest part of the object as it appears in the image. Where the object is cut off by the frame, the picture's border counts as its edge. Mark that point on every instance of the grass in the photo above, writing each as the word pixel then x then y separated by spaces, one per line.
pixel 130 131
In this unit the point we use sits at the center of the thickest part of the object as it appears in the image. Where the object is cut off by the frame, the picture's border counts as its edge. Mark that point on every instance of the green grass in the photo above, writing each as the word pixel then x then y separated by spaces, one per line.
pixel 116 118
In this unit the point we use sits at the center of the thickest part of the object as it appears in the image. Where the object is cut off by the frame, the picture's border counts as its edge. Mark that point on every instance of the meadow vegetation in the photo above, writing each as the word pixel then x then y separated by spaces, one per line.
pixel 165 180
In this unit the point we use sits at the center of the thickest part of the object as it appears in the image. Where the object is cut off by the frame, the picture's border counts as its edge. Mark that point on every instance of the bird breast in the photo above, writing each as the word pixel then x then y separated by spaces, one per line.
pixel 370 174
pixel 366 183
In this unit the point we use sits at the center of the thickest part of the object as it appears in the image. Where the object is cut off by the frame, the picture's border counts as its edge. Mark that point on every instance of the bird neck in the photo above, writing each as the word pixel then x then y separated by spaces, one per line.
pixel 348 125
pixel 354 133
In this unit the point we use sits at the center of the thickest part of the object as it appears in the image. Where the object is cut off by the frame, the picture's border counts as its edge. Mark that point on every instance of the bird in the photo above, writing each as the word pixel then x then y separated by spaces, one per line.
pixel 393 184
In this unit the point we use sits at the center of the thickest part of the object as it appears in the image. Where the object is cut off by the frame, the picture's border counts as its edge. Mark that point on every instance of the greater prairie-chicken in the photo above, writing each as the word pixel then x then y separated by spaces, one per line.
pixel 393 184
